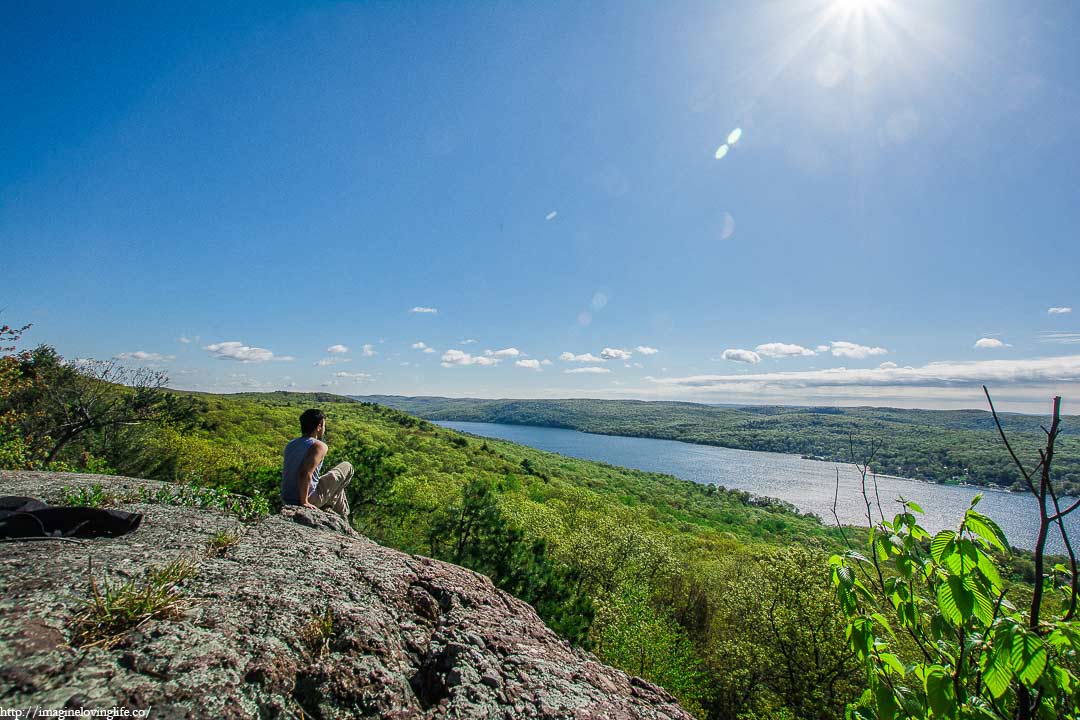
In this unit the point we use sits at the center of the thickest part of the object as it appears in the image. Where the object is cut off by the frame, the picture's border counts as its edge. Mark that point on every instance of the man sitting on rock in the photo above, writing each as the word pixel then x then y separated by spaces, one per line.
pixel 301 483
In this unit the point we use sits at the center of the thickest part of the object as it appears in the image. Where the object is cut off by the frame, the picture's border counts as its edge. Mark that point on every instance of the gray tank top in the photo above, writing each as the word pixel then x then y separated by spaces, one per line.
pixel 294 455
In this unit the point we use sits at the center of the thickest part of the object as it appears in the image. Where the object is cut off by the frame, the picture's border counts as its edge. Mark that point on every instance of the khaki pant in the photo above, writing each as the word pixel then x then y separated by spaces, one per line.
pixel 330 492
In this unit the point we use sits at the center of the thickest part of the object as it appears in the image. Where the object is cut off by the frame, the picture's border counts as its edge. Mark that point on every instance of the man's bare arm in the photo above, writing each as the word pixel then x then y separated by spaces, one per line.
pixel 315 455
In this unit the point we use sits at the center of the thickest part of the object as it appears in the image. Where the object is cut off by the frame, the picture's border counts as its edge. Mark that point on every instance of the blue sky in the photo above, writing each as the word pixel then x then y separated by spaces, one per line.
pixel 230 194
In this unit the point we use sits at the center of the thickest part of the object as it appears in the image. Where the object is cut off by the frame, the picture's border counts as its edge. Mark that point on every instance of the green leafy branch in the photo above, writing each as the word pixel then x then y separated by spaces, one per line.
pixel 931 621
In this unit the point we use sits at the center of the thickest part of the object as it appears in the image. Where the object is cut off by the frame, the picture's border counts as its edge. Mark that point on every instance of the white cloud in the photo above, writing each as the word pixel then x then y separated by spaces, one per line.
pixel 451 358
pixel 888 364
pixel 1064 369
pixel 782 350
pixel 337 349
pixel 822 348
pixel 551 215
pixel 545 361
pixel 423 347
pixel 1060 338
pixel 586 370
pixel 646 350
pixel 358 376
pixel 470 341
pixel 530 364
pixel 841 348
pixel 584 357
pixel 238 351
pixel 428 310
pixel 368 350
pixel 330 361
pixel 504 353
pixel 615 354
pixel 1059 310
pixel 143 356
pixel 989 343
pixel 739 355
pixel 183 339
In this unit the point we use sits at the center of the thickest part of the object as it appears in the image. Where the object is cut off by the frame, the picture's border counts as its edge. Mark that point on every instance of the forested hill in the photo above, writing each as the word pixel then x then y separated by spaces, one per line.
pixel 938 445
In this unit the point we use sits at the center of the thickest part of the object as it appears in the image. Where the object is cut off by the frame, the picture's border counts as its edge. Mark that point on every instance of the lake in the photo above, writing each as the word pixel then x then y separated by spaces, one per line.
pixel 809 485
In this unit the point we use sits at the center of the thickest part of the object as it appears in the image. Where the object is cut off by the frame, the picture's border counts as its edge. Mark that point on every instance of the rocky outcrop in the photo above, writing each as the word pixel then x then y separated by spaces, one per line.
pixel 301 617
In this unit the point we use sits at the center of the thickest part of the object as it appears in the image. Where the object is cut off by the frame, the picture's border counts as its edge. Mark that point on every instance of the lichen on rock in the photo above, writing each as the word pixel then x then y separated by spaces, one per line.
pixel 302 617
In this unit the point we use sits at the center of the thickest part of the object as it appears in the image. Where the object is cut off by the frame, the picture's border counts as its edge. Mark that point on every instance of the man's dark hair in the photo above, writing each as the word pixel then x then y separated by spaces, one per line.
pixel 310 419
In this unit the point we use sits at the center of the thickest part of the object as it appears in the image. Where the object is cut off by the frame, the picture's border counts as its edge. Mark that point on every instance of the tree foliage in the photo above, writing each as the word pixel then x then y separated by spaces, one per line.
pixel 58 401
pixel 474 532
pixel 641 636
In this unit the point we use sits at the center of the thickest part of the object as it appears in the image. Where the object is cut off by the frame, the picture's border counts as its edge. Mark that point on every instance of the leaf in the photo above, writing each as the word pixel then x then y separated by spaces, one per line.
pixel 1028 657
pixel 893 663
pixel 987 529
pixel 996 671
pixel 885 702
pixel 963 560
pixel 852 555
pixel 881 547
pixel 919 533
pixel 990 572
pixel 984 606
pixel 903 566
pixel 915 506
pixel 965 599
pixel 950 611
pixel 1062 639
pixel 939 691
pixel 883 622
pixel 941 543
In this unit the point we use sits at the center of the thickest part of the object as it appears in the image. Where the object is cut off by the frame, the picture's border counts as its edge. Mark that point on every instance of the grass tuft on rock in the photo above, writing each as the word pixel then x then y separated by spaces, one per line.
pixel 94 496
pixel 318 632
pixel 221 542
pixel 113 610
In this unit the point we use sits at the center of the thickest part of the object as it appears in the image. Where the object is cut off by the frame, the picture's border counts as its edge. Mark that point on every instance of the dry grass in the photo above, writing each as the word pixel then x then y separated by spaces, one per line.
pixel 318 633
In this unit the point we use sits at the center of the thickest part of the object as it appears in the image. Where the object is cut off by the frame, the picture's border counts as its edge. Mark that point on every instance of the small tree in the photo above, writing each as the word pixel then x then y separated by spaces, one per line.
pixel 931 619
pixel 13 449
pixel 60 401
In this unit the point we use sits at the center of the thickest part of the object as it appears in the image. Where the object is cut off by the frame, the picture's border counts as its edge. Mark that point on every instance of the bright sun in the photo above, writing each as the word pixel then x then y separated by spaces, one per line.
pixel 849 6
